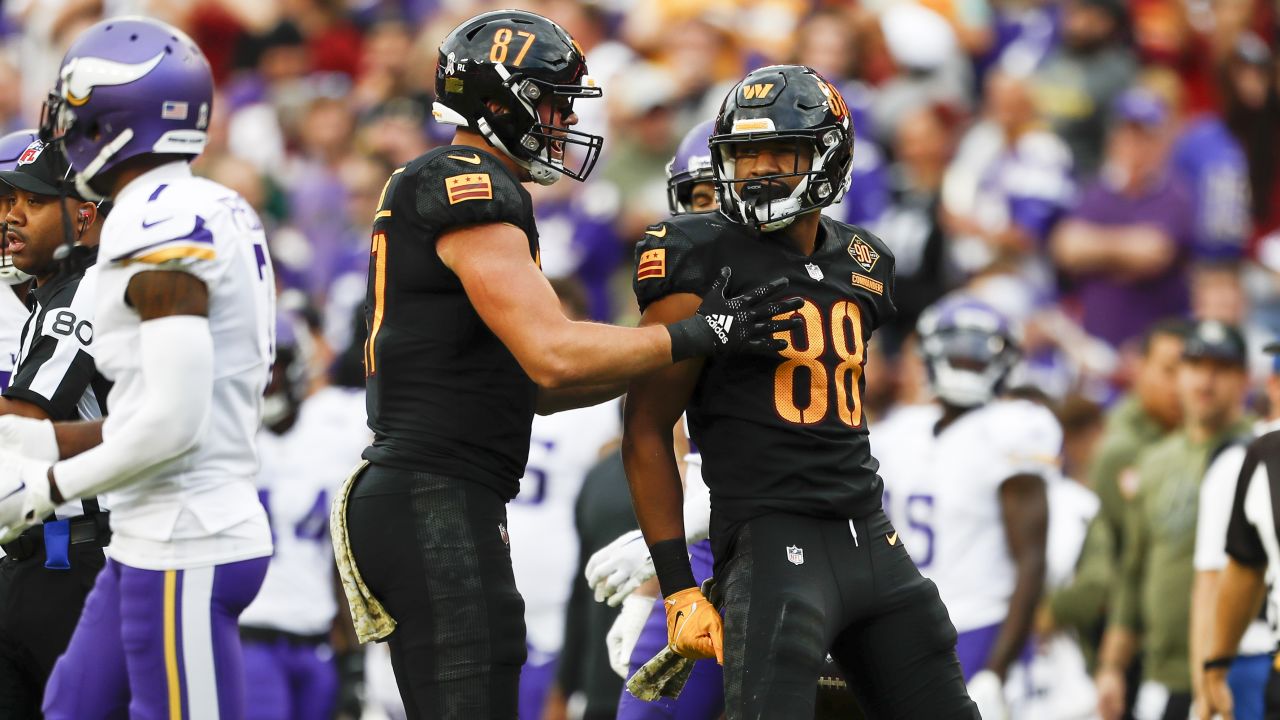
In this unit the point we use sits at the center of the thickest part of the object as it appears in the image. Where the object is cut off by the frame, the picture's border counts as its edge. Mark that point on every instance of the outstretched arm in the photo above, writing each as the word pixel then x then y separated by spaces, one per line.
pixel 518 304
pixel 654 404
pixel 176 362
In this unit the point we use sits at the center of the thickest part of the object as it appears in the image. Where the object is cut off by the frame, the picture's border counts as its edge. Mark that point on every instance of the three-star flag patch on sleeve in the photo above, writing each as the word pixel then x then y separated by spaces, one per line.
pixel 473 186
pixel 653 264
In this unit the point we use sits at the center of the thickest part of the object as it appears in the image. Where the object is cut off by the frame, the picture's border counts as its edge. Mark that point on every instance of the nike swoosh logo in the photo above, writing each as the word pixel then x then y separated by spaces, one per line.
pixel 148 225
pixel 657 233
pixel 680 614
pixel 23 486
pixel 474 159
pixel 893 539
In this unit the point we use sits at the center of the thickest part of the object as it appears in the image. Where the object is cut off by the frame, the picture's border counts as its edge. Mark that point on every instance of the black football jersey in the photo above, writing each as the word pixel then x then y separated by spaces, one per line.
pixel 444 394
pixel 783 431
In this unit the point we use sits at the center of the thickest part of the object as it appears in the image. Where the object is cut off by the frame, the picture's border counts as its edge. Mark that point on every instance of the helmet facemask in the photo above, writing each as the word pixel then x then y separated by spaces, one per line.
pixel 967 367
pixel 539 147
pixel 768 202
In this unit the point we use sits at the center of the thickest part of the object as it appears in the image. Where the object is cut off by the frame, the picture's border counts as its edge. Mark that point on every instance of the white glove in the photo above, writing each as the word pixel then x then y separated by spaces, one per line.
pixel 617 569
pixel 24 494
pixel 29 437
pixel 626 630
pixel 987 692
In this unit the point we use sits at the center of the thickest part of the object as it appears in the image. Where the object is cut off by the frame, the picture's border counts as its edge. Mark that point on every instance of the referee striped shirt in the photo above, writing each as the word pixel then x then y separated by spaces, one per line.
pixel 1252 538
pixel 55 370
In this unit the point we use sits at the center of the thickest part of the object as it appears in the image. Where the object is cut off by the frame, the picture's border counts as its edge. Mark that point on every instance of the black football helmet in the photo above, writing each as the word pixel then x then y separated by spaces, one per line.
pixel 519 60
pixel 782 102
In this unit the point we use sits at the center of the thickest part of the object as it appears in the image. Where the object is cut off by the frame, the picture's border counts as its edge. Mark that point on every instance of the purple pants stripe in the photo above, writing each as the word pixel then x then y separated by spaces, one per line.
pixel 703 694
pixel 157 645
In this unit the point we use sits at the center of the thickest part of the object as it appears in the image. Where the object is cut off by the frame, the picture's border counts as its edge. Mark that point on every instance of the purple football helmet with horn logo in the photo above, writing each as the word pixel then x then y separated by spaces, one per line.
pixel 128 86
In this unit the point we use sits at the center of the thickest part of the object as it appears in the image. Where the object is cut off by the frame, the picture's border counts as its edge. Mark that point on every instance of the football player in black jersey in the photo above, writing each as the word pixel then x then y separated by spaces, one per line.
pixel 467 340
pixel 805 558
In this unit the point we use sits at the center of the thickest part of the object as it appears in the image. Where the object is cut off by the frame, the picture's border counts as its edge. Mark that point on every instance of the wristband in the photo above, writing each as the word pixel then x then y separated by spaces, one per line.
pixel 684 344
pixel 1219 663
pixel 671 562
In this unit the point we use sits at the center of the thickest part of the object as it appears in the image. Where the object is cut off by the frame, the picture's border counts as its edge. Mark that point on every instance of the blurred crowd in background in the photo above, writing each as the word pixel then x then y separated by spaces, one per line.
pixel 1088 167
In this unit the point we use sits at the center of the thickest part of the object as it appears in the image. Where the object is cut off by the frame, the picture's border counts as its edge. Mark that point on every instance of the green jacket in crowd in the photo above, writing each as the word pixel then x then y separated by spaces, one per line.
pixel 1152 595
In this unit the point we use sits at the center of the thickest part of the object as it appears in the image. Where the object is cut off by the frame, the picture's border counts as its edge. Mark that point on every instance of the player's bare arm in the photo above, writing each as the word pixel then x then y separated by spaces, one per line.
pixel 515 300
pixel 654 404
pixel 161 293
pixel 1024 505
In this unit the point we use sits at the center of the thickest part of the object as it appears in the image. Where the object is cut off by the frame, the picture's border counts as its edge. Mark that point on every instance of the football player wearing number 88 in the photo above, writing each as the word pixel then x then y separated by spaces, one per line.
pixel 805 559
pixel 966 480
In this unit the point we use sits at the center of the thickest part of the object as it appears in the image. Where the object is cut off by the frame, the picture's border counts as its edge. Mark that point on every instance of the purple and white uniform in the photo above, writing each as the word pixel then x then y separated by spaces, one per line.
pixel 942 494
pixel 286 647
pixel 159 635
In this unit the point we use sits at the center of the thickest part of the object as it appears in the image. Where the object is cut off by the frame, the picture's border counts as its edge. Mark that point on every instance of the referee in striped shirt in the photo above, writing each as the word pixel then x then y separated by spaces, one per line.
pixel 1253 551
pixel 47 572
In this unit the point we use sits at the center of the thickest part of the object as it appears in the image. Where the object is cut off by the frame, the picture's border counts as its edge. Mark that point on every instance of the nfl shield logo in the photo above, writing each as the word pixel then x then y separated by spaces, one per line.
pixel 815 272
pixel 795 555
pixel 502 531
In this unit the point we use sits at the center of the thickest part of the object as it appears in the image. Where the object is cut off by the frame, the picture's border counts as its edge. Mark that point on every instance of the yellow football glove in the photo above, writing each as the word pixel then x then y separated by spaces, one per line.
pixel 693 626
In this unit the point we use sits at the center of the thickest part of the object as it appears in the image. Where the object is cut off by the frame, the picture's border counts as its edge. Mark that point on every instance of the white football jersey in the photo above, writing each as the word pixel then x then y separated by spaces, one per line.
pixel 544 542
pixel 301 473
pixel 200 508
pixel 942 493
pixel 13 315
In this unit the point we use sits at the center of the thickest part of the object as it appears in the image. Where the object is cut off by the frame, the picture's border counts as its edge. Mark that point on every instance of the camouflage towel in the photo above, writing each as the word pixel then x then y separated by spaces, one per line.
pixel 372 621
pixel 663 676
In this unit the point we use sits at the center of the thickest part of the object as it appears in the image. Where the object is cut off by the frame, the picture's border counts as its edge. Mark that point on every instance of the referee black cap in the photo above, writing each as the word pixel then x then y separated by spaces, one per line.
pixel 42 170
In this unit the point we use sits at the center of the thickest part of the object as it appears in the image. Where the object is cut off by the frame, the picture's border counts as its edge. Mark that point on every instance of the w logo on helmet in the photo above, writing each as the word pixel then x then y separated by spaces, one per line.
pixel 757 91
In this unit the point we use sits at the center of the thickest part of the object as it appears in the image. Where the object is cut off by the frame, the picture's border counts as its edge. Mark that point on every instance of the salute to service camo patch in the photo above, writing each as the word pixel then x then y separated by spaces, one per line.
pixel 475 186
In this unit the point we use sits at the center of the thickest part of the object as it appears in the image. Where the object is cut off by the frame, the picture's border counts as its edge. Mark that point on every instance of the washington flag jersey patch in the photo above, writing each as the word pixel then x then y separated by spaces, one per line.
pixel 653 264
pixel 474 186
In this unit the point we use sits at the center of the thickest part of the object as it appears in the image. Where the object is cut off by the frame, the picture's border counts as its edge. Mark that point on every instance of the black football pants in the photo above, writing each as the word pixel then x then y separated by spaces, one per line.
pixel 39 609
pixel 434 551
pixel 794 586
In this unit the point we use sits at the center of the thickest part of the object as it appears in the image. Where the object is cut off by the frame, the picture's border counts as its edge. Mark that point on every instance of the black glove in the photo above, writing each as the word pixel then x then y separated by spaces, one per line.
pixel 744 323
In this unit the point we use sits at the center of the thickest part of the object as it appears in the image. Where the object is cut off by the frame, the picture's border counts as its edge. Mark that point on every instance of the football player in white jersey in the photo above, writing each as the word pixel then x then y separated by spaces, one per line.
pixel 563 447
pixel 304 445
pixel 185 329
pixel 13 311
pixel 966 485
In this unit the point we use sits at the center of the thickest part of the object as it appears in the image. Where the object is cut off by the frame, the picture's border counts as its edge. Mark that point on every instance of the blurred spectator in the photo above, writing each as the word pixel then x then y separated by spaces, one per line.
pixel 642 141
pixel 931 67
pixel 1137 421
pixel 1251 106
pixel 1024 33
pixel 911 226
pixel 1218 293
pixel 577 239
pixel 1151 601
pixel 1213 165
pixel 1008 184
pixel 1079 81
pixel 1126 243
